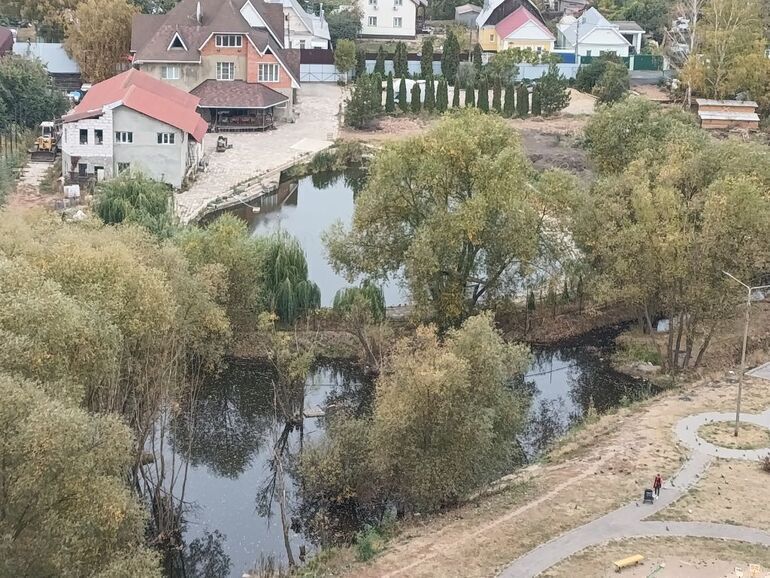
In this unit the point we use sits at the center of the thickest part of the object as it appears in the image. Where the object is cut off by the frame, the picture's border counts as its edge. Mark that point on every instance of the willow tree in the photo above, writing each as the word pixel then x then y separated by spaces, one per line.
pixel 290 293
pixel 459 211
pixel 362 310
pixel 134 198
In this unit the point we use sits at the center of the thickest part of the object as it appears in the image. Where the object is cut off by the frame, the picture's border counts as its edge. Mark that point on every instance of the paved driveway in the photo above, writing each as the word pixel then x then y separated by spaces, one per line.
pixel 260 154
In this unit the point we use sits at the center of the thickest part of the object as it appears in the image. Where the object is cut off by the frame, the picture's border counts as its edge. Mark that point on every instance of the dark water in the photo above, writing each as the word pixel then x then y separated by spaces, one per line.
pixel 306 208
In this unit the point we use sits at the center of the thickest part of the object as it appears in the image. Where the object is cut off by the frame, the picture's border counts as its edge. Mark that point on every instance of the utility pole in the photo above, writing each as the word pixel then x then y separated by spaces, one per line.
pixel 749 291
pixel 577 39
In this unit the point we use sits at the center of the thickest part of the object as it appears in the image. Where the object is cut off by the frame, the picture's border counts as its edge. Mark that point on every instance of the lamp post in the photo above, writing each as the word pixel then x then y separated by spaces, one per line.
pixel 749 291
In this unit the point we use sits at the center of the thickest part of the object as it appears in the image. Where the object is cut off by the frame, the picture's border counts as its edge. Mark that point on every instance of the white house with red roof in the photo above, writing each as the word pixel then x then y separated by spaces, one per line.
pixel 522 29
pixel 133 121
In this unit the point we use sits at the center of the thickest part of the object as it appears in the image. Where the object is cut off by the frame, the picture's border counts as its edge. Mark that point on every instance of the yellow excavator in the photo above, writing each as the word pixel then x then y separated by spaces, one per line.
pixel 46 144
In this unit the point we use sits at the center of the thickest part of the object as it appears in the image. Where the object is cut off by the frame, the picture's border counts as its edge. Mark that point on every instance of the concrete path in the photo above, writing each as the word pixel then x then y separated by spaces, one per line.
pixel 628 521
pixel 257 159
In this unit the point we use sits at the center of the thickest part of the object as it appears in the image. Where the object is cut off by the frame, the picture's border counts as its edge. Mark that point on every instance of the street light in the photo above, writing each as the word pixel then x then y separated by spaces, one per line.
pixel 749 291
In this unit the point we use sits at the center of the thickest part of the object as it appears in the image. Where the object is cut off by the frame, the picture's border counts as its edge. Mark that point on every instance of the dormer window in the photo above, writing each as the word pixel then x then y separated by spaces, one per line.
pixel 176 43
pixel 229 40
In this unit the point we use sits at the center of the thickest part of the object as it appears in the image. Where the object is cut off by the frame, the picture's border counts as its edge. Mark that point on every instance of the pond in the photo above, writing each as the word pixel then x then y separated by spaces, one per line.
pixel 234 431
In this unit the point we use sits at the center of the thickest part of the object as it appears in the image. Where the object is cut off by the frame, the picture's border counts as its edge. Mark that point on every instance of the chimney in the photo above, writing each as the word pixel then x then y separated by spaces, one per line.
pixel 321 10
pixel 198 12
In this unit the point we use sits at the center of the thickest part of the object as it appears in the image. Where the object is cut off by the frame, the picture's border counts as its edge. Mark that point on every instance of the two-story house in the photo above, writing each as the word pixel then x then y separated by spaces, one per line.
pixel 301 29
pixel 228 53
pixel 391 18
pixel 133 121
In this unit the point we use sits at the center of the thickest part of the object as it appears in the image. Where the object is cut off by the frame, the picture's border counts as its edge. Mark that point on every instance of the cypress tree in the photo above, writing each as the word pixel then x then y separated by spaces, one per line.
pixel 509 106
pixel 430 95
pixel 470 95
pixel 403 104
pixel 442 96
pixel 416 98
pixel 426 58
pixel 497 95
pixel 483 100
pixel 379 63
pixel 536 101
pixel 376 93
pixel 456 95
pixel 400 63
pixel 360 62
pixel 450 56
pixel 477 63
pixel 390 101
pixel 522 101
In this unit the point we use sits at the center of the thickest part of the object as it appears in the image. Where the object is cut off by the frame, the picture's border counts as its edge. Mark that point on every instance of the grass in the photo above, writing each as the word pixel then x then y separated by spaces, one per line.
pixel 722 433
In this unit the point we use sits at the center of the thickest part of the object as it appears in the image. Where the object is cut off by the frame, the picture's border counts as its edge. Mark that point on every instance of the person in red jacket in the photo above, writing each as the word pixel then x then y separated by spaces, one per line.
pixel 657 484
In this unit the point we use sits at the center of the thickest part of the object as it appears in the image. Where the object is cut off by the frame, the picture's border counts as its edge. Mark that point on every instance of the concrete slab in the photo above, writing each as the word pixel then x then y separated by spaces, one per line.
pixel 763 371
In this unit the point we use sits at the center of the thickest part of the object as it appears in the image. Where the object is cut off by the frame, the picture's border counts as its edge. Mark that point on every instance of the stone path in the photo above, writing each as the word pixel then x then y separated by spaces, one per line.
pixel 257 159
pixel 629 521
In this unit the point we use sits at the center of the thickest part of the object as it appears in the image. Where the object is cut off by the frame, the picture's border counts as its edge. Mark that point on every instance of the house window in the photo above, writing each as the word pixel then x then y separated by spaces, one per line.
pixel 99 136
pixel 492 37
pixel 397 22
pixel 83 136
pixel 302 44
pixel 124 137
pixel 588 53
pixel 372 2
pixel 123 167
pixel 398 2
pixel 225 70
pixel 165 138
pixel 372 21
pixel 228 40
pixel 82 169
pixel 268 73
pixel 169 72
pixel 177 43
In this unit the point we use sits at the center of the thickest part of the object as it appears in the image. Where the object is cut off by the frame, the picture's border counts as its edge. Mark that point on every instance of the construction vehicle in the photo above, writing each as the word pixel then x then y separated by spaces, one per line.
pixel 222 144
pixel 47 144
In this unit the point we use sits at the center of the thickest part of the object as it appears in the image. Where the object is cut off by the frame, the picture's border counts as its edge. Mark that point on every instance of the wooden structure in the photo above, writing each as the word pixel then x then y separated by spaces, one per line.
pixel 628 562
pixel 727 114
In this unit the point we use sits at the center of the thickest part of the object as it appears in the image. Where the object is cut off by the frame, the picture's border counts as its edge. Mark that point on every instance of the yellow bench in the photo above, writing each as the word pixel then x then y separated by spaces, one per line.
pixel 627 562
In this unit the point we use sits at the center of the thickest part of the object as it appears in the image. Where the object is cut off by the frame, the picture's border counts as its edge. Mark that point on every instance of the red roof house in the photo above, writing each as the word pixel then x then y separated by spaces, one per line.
pixel 522 29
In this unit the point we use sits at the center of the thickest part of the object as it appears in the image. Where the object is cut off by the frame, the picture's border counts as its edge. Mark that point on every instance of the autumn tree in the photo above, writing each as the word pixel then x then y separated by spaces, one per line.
pixel 345 57
pixel 99 37
pixel 54 15
pixel 456 210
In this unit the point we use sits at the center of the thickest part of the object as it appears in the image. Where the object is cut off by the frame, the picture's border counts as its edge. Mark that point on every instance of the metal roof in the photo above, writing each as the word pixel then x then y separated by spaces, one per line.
pixel 51 54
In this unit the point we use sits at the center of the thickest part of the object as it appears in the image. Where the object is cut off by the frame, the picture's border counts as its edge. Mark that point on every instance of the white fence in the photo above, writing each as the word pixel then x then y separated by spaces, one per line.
pixel 318 73
pixel 535 71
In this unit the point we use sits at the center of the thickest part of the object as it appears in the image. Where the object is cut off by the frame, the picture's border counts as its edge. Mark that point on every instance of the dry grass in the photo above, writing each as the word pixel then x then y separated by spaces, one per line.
pixel 682 557
pixel 722 433
pixel 730 492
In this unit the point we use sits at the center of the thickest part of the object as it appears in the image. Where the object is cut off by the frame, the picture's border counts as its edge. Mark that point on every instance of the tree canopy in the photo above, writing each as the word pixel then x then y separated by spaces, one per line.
pixel 27 94
pixel 134 198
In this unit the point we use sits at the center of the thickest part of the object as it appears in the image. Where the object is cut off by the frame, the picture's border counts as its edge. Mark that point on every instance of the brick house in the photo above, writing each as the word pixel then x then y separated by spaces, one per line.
pixel 133 121
pixel 228 53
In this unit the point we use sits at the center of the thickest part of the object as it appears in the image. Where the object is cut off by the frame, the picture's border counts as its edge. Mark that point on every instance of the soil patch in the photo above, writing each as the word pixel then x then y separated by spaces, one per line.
pixel 679 558
pixel 722 433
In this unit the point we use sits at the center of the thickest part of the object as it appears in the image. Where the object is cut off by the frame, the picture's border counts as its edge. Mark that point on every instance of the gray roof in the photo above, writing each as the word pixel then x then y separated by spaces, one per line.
pixel 51 54
pixel 627 26
pixel 467 8
pixel 725 103
pixel 719 115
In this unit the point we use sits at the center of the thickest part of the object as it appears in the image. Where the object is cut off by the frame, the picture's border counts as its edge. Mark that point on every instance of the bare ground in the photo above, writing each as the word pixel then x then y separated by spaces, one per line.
pixel 593 470
pixel 680 558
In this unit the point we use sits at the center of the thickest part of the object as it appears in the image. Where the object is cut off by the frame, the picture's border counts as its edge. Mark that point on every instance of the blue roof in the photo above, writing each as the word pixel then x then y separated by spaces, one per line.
pixel 51 54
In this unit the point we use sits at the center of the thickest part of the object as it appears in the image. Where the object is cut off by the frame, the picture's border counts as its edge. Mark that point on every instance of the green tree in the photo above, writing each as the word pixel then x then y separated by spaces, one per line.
pixel 483 101
pixel 290 293
pixel 343 24
pixel 99 36
pixel 27 94
pixel 49 14
pixel 589 74
pixel 613 84
pixel 536 103
pixel 403 103
pixel 651 15
pixel 509 106
pixel 400 62
pixel 345 57
pixel 426 58
pixel 362 311
pixel 478 63
pixel 553 92
pixel 134 198
pixel 360 107
pixel 522 101
pixel 474 217
pixel 444 417
pixel 450 57
pixel 470 96
pixel 504 64
pixel 430 95
pixel 360 62
pixel 497 89
pixel 66 509
pixel 442 97
pixel 376 93
pixel 456 95
pixel 390 101
pixel 379 62
pixel 416 98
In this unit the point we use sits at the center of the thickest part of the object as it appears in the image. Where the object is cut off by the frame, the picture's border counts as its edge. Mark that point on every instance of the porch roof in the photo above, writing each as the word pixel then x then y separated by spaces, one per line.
pixel 237 94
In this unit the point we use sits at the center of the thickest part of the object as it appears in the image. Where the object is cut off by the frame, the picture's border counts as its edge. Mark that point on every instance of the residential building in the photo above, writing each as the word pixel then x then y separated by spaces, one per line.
pixel 62 69
pixel 392 18
pixel 6 40
pixel 520 29
pixel 467 14
pixel 594 35
pixel 133 121
pixel 494 12
pixel 229 53
pixel 303 30
pixel 727 114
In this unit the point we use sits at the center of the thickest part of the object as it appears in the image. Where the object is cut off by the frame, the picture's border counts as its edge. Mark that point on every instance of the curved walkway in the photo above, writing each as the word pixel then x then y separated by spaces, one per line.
pixel 628 521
